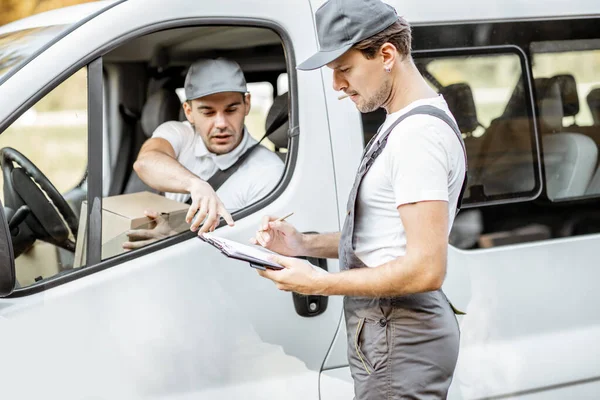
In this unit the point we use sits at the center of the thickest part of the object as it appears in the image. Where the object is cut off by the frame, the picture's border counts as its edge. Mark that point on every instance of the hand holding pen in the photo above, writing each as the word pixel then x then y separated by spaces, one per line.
pixel 279 236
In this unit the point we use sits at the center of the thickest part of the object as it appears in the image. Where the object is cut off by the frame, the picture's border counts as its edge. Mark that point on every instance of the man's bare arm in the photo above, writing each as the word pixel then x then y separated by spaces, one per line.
pixel 422 269
pixel 158 167
pixel 322 245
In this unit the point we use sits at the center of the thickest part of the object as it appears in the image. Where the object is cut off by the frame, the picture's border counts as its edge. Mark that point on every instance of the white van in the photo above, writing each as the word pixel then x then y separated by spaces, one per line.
pixel 81 89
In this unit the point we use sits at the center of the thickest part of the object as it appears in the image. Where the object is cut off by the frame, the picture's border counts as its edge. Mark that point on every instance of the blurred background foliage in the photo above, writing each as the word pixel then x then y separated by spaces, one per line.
pixel 12 10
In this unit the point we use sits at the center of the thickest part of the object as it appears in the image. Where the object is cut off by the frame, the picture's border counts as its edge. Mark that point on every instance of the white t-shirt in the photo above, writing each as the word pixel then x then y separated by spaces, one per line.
pixel 423 160
pixel 253 180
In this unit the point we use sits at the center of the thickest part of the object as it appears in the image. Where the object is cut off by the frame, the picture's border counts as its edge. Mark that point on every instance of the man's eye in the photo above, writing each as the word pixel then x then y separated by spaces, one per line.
pixel 344 70
pixel 208 113
pixel 231 110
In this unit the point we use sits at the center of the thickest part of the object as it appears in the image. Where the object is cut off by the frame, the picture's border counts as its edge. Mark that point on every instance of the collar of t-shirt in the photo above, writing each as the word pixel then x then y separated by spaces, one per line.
pixel 224 161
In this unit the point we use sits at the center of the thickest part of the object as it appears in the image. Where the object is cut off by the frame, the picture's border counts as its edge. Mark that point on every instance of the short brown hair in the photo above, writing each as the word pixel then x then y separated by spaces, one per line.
pixel 398 34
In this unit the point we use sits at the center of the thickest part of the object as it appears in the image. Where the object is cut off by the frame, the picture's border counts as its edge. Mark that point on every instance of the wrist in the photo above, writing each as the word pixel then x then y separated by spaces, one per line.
pixel 305 244
pixel 323 282
pixel 194 183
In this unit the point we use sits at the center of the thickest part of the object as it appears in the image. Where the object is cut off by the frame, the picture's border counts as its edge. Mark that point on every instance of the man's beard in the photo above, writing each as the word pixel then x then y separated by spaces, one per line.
pixel 377 100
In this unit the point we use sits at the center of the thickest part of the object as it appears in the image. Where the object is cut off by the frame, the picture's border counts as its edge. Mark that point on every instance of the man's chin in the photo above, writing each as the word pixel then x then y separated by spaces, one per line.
pixel 220 149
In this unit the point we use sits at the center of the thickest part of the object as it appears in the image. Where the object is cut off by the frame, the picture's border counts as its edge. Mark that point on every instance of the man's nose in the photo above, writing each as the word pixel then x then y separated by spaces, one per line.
pixel 220 121
pixel 338 82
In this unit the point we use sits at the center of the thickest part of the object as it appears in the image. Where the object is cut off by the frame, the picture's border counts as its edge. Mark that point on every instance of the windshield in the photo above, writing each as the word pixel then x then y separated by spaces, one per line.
pixel 15 47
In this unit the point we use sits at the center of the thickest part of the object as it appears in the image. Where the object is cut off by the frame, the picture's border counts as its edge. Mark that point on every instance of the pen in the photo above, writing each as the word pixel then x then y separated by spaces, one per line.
pixel 280 219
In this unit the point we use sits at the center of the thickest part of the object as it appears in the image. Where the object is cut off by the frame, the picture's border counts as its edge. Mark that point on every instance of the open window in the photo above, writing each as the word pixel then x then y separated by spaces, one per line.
pixel 44 166
pixel 144 83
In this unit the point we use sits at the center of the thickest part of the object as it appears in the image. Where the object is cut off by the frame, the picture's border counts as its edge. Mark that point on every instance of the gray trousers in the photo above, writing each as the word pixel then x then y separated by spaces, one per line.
pixel 401 348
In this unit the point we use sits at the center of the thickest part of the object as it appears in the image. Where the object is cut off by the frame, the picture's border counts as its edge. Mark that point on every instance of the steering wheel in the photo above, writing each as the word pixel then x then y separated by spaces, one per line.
pixel 38 209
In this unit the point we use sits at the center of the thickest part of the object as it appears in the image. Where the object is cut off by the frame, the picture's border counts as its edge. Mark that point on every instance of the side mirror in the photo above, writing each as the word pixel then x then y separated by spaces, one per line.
pixel 7 259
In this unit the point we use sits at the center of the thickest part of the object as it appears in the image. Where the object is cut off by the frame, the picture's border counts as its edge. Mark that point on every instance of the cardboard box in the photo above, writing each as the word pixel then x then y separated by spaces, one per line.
pixel 125 212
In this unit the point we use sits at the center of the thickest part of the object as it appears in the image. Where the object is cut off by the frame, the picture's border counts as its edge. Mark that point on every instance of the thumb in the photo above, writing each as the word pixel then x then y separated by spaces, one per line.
pixel 281 260
pixel 151 214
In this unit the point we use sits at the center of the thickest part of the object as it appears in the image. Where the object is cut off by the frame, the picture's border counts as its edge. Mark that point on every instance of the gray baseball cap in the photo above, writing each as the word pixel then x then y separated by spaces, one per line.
pixel 343 23
pixel 208 76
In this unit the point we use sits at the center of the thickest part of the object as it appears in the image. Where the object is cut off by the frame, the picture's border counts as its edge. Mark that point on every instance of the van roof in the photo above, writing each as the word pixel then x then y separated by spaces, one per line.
pixel 423 12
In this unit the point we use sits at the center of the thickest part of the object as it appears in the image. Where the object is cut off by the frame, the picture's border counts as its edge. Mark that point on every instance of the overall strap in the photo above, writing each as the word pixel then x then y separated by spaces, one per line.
pixel 434 112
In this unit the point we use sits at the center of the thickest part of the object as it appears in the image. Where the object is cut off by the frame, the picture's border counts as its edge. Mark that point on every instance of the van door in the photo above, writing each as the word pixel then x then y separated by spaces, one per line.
pixel 175 319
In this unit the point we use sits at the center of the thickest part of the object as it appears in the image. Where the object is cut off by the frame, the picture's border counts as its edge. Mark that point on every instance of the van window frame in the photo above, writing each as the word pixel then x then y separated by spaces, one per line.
pixel 526 76
pixel 94 263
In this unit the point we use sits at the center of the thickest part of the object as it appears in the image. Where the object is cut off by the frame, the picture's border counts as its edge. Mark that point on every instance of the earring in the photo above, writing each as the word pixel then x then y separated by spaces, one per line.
pixel 388 69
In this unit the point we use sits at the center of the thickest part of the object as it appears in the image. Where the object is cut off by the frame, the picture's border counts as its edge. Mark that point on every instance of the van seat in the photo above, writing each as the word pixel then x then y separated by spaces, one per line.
pixel 593 100
pixel 569 160
pixel 161 106
pixel 278 121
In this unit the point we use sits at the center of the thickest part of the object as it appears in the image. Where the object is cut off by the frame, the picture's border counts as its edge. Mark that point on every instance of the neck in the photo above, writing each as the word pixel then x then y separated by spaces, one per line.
pixel 408 86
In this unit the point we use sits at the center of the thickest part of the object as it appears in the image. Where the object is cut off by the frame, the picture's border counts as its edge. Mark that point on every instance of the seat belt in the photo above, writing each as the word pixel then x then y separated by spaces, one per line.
pixel 219 177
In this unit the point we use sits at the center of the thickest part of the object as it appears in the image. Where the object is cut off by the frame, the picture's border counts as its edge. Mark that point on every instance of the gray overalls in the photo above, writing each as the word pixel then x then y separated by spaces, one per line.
pixel 402 347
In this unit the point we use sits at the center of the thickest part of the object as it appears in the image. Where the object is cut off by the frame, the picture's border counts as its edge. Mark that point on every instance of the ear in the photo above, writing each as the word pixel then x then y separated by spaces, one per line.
pixel 188 111
pixel 247 97
pixel 389 55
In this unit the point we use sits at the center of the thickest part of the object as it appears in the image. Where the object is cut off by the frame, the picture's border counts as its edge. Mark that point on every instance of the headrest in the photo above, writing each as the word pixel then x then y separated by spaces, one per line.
pixel 550 106
pixel 277 121
pixel 568 94
pixel 462 105
pixel 593 100
pixel 162 106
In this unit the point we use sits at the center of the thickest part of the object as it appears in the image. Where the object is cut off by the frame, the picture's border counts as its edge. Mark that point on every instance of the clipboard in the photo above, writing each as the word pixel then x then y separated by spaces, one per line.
pixel 256 256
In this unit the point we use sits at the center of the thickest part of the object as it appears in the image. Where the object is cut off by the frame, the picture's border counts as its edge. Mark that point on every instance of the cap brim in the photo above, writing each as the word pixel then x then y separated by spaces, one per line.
pixel 198 95
pixel 322 58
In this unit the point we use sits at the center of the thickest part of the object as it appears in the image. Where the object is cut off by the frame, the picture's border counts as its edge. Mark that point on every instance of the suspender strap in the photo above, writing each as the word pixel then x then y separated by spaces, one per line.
pixel 434 112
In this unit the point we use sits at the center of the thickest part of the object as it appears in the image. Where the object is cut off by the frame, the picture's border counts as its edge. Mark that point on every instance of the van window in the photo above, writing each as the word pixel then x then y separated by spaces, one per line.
pixel 147 104
pixel 486 95
pixel 50 137
pixel 567 86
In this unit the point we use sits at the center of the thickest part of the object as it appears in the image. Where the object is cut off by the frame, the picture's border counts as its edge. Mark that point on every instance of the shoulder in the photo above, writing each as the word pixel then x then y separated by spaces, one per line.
pixel 173 128
pixel 424 131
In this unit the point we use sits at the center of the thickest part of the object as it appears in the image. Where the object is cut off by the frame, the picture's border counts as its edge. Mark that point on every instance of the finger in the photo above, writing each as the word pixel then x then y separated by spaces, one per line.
pixel 192 211
pixel 264 224
pixel 200 215
pixel 151 214
pixel 269 274
pixel 260 239
pixel 136 245
pixel 212 216
pixel 139 234
pixel 281 226
pixel 281 260
pixel 253 241
pixel 225 214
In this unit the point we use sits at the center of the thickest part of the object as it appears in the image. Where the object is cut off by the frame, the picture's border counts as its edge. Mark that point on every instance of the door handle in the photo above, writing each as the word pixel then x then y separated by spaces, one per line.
pixel 311 305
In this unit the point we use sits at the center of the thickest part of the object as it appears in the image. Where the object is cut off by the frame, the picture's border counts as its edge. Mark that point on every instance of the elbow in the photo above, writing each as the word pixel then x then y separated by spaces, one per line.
pixel 138 166
pixel 433 282
pixel 430 273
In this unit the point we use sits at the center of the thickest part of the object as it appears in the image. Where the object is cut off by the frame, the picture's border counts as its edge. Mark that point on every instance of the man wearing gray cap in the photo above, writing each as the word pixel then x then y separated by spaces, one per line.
pixel 403 337
pixel 180 157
